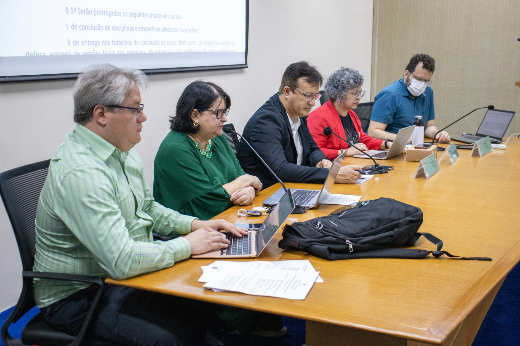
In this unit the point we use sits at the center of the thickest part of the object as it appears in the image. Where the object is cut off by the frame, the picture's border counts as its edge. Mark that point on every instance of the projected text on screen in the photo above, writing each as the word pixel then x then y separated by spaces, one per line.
pixel 37 35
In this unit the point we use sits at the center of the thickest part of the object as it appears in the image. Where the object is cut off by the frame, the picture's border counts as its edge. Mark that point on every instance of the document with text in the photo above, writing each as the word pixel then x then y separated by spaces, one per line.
pixel 340 199
pixel 364 178
pixel 282 279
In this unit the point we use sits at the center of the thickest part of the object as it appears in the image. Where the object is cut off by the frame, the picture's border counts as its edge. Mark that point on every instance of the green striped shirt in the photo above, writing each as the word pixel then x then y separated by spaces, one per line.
pixel 96 216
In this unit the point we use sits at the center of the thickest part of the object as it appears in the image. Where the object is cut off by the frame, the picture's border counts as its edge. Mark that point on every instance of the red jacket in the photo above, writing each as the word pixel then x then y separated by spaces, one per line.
pixel 327 115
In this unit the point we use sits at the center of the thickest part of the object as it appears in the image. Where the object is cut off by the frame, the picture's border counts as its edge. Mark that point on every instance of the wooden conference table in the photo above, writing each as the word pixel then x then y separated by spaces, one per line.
pixel 473 206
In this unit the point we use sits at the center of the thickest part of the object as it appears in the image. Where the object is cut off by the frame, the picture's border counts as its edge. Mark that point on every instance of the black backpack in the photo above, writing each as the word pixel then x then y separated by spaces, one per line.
pixel 372 229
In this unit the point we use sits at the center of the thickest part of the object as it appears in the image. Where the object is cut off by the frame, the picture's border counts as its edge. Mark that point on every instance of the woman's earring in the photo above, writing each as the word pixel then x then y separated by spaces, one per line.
pixel 196 123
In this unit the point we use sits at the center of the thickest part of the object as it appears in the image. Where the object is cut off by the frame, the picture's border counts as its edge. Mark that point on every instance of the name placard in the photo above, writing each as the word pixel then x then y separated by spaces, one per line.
pixel 481 147
pixel 453 153
pixel 427 166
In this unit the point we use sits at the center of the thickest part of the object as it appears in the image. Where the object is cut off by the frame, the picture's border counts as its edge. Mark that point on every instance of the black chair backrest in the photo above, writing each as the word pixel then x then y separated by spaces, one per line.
pixel 364 111
pixel 324 97
pixel 20 190
pixel 231 137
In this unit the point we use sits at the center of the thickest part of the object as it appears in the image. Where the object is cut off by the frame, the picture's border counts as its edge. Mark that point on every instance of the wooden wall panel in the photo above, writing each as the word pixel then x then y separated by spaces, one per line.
pixel 475 46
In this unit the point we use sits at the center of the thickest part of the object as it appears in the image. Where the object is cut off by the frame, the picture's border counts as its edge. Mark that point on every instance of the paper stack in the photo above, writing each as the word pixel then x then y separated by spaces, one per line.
pixel 281 279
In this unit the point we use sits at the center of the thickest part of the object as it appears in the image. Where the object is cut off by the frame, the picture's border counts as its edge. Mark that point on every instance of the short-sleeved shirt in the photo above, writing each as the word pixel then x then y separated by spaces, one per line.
pixel 395 107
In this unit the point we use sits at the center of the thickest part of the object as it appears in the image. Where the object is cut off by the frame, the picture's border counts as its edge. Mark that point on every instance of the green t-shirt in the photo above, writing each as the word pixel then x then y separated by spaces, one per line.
pixel 187 181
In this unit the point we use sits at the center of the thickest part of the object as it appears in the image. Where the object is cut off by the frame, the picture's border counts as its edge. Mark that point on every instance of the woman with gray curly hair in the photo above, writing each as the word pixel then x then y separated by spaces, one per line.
pixel 344 87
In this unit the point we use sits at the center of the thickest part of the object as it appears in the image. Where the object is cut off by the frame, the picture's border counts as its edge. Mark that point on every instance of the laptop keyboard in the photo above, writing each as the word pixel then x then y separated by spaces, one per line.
pixel 237 245
pixel 475 138
pixel 303 197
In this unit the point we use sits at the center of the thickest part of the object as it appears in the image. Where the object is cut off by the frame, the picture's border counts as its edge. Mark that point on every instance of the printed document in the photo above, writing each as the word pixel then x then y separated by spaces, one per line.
pixel 282 279
pixel 340 199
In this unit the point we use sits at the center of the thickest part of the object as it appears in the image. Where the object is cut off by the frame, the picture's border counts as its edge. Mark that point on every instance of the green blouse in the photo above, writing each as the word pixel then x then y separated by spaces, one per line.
pixel 190 183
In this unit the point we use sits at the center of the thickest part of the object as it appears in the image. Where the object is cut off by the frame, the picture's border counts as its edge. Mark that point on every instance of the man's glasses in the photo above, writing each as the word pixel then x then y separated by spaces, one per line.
pixel 357 94
pixel 219 113
pixel 428 82
pixel 138 111
pixel 309 96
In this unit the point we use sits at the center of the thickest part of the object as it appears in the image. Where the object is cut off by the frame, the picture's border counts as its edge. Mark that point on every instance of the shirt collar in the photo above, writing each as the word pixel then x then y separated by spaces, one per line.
pixel 294 125
pixel 97 145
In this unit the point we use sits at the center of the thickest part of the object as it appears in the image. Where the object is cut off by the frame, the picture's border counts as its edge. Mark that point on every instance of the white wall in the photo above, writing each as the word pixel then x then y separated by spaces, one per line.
pixel 35 117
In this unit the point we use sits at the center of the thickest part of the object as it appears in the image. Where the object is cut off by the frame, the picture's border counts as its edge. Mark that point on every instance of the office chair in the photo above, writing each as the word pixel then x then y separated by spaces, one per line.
pixel 20 190
pixel 231 137
pixel 364 111
pixel 324 97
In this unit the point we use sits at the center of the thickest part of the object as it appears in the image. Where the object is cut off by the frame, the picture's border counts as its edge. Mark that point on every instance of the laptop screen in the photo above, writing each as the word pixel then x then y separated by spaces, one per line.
pixel 331 178
pixel 495 123
pixel 275 219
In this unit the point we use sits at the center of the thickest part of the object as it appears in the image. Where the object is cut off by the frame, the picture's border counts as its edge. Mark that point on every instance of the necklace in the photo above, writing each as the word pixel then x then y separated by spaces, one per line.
pixel 206 152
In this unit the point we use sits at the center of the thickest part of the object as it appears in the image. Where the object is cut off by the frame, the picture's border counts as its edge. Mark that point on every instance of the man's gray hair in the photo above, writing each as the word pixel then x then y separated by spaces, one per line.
pixel 341 81
pixel 105 85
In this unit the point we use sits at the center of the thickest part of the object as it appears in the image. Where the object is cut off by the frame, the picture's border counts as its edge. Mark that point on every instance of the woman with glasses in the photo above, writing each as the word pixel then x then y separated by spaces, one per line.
pixel 344 87
pixel 197 173
pixel 195 169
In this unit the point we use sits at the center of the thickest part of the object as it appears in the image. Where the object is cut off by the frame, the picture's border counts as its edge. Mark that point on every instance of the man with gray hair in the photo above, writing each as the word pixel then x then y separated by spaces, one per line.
pixel 95 217
pixel 345 90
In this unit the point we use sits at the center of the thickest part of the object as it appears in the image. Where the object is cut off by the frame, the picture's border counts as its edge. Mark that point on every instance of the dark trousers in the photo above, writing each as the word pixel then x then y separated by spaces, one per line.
pixel 128 316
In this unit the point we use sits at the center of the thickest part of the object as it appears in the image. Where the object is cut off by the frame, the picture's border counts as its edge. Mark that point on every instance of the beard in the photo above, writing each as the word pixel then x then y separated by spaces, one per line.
pixel 408 81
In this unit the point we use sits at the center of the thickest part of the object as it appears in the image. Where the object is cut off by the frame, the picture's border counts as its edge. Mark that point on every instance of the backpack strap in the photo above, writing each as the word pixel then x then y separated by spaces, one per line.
pixel 439 252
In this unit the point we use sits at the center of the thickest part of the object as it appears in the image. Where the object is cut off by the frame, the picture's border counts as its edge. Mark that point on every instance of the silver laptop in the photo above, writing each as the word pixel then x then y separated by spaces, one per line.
pixel 309 199
pixel 494 125
pixel 258 236
pixel 400 141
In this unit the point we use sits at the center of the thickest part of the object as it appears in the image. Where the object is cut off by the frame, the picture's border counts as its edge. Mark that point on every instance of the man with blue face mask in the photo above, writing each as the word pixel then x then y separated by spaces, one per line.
pixel 397 105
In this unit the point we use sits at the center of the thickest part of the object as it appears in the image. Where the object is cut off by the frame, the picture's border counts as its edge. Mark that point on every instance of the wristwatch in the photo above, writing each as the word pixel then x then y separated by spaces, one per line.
pixel 386 142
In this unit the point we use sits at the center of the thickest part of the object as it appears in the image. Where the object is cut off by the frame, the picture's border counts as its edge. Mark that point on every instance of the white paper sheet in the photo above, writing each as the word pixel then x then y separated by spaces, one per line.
pixel 264 282
pixel 212 270
pixel 340 199
pixel 364 178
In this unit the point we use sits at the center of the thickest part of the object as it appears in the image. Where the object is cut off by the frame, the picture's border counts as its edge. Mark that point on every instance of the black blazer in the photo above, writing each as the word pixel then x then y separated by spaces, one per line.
pixel 269 132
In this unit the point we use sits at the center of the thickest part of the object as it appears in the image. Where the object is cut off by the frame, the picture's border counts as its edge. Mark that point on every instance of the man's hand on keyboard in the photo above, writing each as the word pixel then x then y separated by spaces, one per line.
pixel 218 225
pixel 206 239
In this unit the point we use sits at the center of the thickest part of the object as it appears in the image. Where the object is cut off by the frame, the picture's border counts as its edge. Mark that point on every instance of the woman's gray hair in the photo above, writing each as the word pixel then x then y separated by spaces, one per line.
pixel 342 81
pixel 105 85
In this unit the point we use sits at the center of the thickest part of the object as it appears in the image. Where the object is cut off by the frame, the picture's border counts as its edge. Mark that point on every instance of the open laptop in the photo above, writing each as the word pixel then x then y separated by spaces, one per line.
pixel 258 236
pixel 401 139
pixel 309 199
pixel 494 125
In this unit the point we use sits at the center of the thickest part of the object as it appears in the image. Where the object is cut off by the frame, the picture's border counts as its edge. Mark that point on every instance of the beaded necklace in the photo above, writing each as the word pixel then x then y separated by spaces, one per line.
pixel 206 152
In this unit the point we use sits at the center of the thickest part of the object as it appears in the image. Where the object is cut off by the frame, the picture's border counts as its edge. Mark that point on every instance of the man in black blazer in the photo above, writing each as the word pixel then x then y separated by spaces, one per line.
pixel 278 131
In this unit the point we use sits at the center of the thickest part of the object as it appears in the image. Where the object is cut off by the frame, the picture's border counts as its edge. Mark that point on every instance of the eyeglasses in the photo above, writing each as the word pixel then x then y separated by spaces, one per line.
pixel 309 96
pixel 428 82
pixel 138 111
pixel 219 113
pixel 357 94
